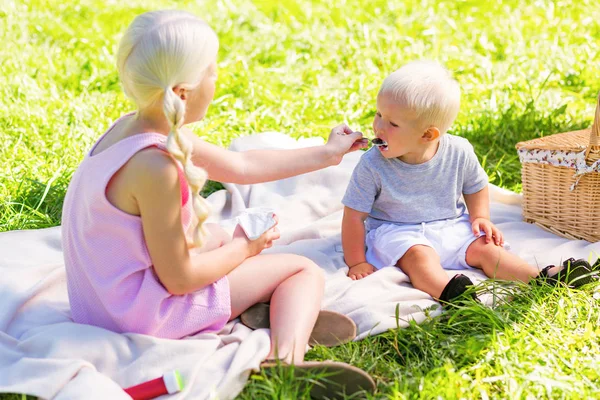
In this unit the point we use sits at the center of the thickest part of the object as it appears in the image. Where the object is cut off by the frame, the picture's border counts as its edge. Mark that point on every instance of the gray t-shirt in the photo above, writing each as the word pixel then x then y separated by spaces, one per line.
pixel 392 191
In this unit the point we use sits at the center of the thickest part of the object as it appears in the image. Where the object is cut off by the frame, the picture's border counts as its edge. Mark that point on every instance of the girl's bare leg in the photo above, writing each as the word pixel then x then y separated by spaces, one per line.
pixel 294 285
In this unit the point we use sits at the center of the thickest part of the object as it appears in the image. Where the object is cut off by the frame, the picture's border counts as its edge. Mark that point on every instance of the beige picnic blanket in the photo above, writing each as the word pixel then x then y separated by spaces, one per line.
pixel 43 353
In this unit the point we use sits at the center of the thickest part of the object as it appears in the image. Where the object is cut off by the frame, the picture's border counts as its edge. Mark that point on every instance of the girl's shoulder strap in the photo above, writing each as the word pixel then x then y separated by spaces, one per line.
pixel 110 128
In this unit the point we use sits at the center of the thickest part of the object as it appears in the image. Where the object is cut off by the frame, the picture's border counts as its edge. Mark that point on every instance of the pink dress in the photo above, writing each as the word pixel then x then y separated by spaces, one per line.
pixel 110 278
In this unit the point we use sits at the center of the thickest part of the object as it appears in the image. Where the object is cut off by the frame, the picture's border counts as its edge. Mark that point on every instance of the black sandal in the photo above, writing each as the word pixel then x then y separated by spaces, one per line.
pixel 574 273
pixel 596 266
pixel 454 290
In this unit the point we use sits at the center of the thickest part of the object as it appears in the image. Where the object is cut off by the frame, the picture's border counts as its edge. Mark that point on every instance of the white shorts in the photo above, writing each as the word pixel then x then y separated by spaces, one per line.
pixel 449 238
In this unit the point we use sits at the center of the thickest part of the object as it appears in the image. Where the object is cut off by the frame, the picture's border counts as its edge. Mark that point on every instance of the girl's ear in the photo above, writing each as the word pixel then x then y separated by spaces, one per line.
pixel 431 133
pixel 180 92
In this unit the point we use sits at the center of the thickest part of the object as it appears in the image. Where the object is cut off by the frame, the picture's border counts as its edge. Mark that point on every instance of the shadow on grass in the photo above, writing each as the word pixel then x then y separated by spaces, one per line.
pixel 211 187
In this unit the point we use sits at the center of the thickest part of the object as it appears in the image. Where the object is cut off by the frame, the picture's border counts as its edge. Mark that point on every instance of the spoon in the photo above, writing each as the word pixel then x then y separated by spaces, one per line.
pixel 378 142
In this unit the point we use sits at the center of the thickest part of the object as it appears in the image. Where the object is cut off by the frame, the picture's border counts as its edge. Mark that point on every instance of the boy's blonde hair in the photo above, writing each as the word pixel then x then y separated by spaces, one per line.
pixel 428 89
pixel 160 50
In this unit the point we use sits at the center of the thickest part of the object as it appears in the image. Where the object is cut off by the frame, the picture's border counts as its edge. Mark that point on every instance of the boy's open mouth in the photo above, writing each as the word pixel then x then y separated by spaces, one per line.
pixel 382 144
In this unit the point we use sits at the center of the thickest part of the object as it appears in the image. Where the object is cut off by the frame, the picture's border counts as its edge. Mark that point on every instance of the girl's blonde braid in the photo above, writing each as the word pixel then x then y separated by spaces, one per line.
pixel 181 149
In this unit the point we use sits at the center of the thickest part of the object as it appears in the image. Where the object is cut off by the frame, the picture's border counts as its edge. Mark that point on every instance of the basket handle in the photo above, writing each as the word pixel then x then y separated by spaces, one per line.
pixel 595 132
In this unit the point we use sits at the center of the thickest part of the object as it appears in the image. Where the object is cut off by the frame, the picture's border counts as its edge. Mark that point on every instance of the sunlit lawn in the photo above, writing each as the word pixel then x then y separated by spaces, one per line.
pixel 526 69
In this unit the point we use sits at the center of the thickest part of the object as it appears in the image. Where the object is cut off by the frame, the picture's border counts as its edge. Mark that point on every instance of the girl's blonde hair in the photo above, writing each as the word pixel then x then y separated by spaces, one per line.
pixel 161 50
pixel 428 89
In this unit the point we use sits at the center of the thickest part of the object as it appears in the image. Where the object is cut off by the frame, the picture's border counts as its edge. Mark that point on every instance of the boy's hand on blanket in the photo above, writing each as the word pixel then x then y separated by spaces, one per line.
pixel 361 270
pixel 264 241
pixel 491 232
pixel 344 140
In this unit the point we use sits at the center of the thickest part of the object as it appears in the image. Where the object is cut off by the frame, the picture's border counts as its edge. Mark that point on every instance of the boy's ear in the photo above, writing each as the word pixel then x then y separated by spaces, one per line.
pixel 431 133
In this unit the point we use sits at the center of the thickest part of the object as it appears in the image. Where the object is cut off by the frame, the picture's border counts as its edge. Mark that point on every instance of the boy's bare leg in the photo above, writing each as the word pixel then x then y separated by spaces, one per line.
pixel 422 265
pixel 499 263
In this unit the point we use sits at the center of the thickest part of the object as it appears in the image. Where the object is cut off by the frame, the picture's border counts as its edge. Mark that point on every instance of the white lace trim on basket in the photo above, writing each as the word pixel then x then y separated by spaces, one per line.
pixel 558 158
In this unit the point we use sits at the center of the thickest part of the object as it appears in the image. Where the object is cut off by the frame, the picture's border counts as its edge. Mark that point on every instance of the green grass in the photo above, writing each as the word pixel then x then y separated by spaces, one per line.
pixel 543 344
pixel 526 68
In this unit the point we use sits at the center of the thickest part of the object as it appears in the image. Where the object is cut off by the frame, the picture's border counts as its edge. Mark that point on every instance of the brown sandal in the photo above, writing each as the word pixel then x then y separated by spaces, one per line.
pixel 331 329
pixel 335 379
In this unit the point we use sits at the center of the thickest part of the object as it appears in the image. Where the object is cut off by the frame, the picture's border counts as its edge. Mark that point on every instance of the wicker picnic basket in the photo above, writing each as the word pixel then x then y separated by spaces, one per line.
pixel 561 182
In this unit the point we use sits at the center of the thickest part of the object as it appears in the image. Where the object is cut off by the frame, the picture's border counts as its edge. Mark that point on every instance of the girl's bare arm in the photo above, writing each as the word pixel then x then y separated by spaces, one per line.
pixel 256 166
pixel 181 271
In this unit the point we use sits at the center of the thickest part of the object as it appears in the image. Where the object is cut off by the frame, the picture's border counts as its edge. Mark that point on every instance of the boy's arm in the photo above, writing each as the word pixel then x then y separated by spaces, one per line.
pixel 478 205
pixel 353 243
pixel 477 198
pixel 358 201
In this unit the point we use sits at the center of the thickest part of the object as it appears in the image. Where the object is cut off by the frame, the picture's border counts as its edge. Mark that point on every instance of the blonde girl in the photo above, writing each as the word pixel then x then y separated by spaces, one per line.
pixel 138 254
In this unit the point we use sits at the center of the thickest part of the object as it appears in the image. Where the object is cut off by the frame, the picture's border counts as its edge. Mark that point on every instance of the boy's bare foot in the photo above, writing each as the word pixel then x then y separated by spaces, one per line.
pixel 360 271
pixel 331 329
pixel 338 379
